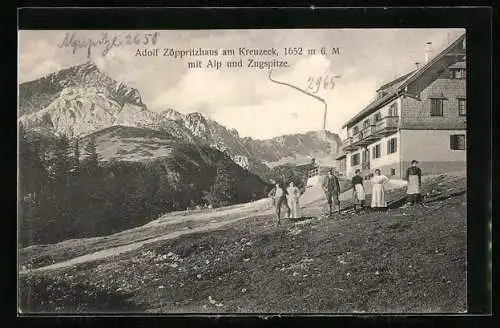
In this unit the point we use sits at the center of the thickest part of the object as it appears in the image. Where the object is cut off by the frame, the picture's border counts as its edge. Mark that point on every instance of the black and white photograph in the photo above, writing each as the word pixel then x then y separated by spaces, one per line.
pixel 242 171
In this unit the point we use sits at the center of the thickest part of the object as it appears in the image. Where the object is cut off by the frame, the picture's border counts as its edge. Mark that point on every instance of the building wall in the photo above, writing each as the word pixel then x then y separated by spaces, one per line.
pixel 432 149
pixel 350 169
pixel 342 166
pixel 386 162
pixel 416 114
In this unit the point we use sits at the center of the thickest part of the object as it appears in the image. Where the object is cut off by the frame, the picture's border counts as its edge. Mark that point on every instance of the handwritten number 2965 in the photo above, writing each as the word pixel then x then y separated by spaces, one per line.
pixel 315 83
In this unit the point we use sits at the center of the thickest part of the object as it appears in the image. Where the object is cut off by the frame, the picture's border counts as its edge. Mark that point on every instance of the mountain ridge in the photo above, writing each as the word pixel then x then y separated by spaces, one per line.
pixel 80 100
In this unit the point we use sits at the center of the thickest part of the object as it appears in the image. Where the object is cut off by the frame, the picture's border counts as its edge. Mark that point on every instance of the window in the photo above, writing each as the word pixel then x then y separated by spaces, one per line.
pixel 393 171
pixel 392 145
pixel 462 107
pixel 458 73
pixel 457 141
pixel 376 151
pixel 355 159
pixel 366 123
pixel 378 117
pixel 355 130
pixel 393 109
pixel 436 107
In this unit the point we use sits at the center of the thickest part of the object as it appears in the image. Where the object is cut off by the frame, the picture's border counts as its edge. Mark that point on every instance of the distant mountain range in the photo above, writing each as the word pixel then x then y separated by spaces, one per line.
pixel 80 101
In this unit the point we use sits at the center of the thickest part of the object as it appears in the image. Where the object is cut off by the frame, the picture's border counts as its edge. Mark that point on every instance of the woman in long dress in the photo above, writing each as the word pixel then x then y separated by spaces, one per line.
pixel 378 193
pixel 414 178
pixel 293 200
pixel 358 190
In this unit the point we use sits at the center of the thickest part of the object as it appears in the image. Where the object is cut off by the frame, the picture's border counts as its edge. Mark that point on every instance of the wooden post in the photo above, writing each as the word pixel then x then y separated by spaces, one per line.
pixel 305 92
pixel 324 118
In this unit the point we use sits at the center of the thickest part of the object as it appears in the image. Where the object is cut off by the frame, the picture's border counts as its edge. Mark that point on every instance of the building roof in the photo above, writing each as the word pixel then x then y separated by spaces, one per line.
pixel 460 64
pixel 403 82
pixel 399 79
pixel 341 155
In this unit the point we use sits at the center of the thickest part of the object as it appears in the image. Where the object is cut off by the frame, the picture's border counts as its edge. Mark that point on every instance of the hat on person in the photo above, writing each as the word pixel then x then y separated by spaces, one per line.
pixel 414 161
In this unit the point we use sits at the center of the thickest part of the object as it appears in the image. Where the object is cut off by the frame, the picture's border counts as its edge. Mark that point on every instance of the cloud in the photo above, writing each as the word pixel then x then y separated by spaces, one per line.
pixel 246 99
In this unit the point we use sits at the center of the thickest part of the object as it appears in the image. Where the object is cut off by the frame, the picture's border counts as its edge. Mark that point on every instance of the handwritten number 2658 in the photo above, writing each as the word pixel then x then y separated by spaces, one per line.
pixel 148 38
pixel 315 83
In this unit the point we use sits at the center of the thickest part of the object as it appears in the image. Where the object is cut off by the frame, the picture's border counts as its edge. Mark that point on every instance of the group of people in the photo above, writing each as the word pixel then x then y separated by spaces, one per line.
pixel 332 191
pixel 378 201
pixel 289 198
pixel 378 191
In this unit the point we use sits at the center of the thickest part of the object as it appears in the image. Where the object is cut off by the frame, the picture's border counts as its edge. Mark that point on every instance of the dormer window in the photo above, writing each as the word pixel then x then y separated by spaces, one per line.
pixel 378 117
pixel 458 70
pixel 458 73
pixel 366 123
pixel 355 130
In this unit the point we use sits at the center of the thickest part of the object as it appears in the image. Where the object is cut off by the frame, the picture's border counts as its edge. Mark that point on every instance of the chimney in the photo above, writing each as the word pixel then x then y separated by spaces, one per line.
pixel 417 64
pixel 428 51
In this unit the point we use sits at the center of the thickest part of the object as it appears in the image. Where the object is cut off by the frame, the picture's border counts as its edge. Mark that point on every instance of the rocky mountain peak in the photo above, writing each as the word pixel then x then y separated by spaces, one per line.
pixel 196 117
pixel 38 94
pixel 197 124
pixel 172 114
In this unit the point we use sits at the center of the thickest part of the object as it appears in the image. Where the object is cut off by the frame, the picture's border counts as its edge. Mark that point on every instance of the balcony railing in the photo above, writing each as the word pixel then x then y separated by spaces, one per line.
pixel 357 137
pixel 369 131
pixel 387 125
pixel 348 144
pixel 365 137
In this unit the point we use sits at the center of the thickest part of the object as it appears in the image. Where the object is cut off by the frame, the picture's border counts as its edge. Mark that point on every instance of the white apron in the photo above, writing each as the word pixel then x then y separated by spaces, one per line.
pixel 293 201
pixel 359 191
pixel 413 187
pixel 378 193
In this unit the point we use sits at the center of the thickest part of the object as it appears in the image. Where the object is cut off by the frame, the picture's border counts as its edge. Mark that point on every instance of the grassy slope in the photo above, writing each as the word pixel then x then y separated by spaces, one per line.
pixel 410 260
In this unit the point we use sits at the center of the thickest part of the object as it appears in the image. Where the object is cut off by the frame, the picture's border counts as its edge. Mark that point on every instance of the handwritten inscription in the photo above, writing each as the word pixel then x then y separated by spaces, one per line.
pixel 315 83
pixel 145 44
pixel 106 42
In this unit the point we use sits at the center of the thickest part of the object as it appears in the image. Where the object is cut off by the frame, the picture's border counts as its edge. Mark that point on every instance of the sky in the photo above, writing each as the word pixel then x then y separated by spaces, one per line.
pixel 244 98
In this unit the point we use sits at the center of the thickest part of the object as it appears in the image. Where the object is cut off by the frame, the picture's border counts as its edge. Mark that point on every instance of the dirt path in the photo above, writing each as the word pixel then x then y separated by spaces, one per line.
pixel 113 251
pixel 249 210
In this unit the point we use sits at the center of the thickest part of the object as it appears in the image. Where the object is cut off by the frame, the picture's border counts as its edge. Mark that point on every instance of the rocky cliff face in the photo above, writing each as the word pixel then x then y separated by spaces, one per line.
pixel 38 94
pixel 297 149
pixel 81 100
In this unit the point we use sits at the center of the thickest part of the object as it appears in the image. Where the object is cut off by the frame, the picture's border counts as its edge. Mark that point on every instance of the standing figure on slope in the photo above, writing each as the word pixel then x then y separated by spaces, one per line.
pixel 414 178
pixel 331 187
pixel 278 194
pixel 378 192
pixel 358 191
pixel 293 196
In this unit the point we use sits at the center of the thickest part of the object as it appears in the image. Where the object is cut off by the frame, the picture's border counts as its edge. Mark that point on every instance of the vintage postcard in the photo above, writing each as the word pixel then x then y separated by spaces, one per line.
pixel 242 171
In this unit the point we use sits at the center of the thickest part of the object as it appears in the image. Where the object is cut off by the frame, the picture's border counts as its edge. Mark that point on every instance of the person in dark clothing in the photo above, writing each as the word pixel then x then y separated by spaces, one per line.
pixel 414 178
pixel 278 194
pixel 358 190
pixel 331 187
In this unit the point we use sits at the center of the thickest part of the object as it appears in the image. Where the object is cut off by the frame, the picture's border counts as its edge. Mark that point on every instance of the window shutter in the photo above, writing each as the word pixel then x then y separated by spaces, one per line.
pixel 452 142
pixel 388 146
